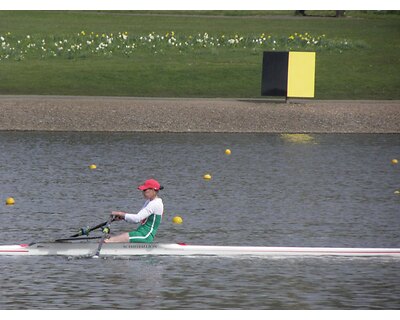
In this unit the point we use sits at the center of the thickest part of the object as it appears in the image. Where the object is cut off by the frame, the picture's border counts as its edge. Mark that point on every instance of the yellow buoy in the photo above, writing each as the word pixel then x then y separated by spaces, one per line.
pixel 92 166
pixel 228 152
pixel 177 220
pixel 207 176
pixel 395 161
pixel 397 192
pixel 10 201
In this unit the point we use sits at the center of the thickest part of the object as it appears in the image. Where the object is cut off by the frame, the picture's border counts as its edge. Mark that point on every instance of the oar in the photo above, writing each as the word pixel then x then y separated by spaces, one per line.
pixel 87 230
pixel 76 239
pixel 106 231
pixel 84 231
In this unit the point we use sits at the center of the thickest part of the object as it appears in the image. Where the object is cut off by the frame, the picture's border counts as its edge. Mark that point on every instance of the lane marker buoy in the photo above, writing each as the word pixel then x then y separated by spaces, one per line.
pixel 177 220
pixel 10 201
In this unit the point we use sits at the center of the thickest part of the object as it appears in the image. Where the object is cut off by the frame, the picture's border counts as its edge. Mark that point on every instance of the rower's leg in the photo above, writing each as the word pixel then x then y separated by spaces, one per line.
pixel 123 237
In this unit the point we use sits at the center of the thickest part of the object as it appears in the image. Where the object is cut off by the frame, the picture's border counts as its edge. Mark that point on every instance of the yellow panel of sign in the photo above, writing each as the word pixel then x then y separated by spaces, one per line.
pixel 301 75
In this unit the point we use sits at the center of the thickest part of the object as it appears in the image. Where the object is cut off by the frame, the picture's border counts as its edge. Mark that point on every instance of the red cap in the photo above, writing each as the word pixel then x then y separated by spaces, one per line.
pixel 150 184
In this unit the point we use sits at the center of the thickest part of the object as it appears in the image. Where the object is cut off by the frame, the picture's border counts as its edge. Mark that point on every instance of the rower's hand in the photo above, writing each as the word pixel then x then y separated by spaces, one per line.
pixel 118 215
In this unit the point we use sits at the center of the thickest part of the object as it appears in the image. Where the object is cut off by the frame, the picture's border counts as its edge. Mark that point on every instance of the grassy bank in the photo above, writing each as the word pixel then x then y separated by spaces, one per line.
pixel 370 70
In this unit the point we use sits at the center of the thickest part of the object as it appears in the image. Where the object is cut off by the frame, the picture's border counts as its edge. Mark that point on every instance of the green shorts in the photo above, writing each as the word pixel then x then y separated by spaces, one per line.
pixel 135 236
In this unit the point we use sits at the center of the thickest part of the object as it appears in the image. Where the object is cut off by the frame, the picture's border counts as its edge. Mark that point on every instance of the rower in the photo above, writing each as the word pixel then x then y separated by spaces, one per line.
pixel 149 216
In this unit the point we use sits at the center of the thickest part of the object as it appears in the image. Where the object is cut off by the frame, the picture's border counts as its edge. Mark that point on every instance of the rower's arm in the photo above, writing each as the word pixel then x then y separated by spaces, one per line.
pixel 136 218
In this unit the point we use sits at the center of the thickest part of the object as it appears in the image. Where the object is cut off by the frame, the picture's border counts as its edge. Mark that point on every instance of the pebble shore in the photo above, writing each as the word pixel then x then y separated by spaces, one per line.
pixel 76 113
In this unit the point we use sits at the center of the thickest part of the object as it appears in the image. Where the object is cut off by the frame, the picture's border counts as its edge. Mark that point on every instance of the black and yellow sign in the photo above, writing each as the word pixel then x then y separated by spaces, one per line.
pixel 288 74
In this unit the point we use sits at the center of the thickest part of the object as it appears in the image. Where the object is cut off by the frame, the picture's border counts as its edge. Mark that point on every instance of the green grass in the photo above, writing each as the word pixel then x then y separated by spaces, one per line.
pixel 372 72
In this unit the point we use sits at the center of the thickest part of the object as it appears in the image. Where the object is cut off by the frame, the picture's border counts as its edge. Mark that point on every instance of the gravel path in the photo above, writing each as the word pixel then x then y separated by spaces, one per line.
pixel 72 113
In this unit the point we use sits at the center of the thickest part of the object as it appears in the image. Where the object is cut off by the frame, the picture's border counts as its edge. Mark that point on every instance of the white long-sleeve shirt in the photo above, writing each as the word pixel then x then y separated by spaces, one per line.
pixel 154 206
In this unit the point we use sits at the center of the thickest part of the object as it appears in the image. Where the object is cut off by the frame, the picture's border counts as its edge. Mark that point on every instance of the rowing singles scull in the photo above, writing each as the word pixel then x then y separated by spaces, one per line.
pixel 176 249
pixel 140 241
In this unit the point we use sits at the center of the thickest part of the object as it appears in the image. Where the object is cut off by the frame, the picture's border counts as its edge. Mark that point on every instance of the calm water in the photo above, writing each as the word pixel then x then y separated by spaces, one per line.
pixel 336 190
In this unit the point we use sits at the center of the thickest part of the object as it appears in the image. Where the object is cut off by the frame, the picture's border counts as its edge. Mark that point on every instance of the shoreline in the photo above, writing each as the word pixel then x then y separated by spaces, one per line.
pixel 241 115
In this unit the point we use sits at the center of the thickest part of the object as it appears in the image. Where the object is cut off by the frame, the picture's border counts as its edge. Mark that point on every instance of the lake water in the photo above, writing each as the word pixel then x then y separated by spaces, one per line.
pixel 273 190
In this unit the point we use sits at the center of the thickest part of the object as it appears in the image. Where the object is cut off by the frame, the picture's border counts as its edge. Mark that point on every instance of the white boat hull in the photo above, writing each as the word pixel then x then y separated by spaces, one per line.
pixel 135 249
